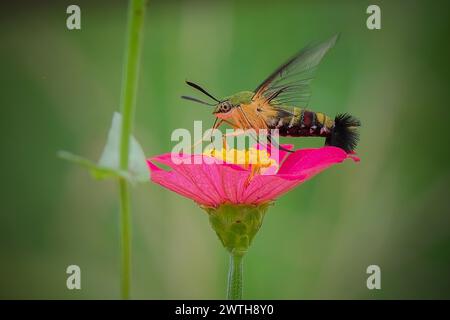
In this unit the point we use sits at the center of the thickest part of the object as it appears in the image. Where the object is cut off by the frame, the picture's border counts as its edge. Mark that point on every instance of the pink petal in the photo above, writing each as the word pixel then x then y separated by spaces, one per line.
pixel 208 184
pixel 171 181
pixel 265 188
pixel 312 161
pixel 297 168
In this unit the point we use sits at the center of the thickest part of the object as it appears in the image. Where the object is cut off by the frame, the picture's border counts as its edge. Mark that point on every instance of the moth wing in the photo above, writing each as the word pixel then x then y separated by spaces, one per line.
pixel 290 84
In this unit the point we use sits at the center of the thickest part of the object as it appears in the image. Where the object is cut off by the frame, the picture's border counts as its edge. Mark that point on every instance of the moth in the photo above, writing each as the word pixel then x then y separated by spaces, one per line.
pixel 281 102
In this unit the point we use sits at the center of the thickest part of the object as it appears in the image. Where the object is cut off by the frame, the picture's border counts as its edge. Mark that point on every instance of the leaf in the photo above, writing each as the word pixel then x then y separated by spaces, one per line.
pixel 137 164
pixel 97 171
pixel 108 165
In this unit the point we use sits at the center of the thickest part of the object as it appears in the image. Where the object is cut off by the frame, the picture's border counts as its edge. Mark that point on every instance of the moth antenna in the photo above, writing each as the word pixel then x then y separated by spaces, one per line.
pixel 197 100
pixel 196 86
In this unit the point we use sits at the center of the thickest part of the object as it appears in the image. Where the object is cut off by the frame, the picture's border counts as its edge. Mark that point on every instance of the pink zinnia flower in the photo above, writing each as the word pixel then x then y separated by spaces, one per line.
pixel 218 182
pixel 235 188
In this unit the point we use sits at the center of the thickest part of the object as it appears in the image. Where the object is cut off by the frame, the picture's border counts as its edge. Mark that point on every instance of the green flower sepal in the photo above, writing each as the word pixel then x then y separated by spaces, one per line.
pixel 237 225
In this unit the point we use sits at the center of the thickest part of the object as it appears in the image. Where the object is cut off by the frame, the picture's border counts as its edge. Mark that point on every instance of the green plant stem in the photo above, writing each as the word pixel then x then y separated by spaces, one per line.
pixel 125 223
pixel 136 13
pixel 235 276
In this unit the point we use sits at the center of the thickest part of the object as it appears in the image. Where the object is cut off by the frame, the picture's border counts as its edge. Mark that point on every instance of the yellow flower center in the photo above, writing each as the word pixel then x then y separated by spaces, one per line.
pixel 258 160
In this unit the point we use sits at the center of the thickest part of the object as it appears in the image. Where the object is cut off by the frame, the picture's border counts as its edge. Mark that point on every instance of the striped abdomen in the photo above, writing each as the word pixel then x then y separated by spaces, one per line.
pixel 302 123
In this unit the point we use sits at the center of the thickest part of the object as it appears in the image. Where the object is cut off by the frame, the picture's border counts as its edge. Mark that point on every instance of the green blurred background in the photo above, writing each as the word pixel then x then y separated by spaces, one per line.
pixel 59 89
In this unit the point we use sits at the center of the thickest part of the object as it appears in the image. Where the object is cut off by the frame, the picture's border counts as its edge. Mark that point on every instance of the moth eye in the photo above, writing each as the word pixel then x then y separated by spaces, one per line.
pixel 226 106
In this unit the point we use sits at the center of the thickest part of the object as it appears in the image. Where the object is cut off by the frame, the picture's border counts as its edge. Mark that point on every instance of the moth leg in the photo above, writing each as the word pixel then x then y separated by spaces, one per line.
pixel 215 126
pixel 224 143
pixel 269 138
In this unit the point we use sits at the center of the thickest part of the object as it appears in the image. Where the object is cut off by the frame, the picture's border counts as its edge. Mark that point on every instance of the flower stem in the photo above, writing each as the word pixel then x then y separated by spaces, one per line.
pixel 235 276
pixel 125 219
pixel 136 12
